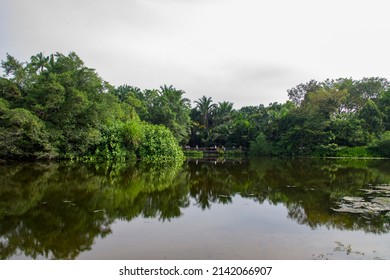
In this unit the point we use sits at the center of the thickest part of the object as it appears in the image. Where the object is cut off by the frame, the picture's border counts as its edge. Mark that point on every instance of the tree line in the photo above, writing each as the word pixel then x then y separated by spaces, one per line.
pixel 56 107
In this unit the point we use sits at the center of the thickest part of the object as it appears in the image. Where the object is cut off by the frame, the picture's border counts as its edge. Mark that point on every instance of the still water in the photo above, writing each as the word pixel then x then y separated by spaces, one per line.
pixel 250 209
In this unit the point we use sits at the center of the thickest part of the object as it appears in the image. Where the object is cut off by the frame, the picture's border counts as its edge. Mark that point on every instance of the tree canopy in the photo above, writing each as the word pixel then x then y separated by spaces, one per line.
pixel 56 107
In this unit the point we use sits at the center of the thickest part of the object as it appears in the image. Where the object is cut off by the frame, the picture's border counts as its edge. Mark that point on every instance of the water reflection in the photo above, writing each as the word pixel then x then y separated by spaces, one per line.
pixel 59 210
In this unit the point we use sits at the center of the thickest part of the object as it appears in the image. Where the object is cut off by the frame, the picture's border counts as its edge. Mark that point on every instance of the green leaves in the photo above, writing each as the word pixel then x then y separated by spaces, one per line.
pixel 55 105
pixel 372 118
pixel 23 134
pixel 165 106
pixel 381 146
pixel 205 107
pixel 159 145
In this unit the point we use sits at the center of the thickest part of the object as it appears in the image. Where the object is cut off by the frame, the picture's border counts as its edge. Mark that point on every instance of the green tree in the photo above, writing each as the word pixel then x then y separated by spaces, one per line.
pixel 39 62
pixel 260 146
pixel 10 92
pixel 205 106
pixel 165 106
pixel 16 70
pixel 372 118
pixel 326 103
pixel 66 99
pixel 298 93
pixel 131 95
pixel 306 130
pixel 348 131
pixel 23 134
pixel 223 112
pixel 381 146
pixel 202 121
pixel 243 130
pixel 221 135
pixel 174 104
pixel 384 106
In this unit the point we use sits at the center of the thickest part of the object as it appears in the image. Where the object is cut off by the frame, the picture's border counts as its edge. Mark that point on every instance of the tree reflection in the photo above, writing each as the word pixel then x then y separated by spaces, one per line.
pixel 57 210
pixel 310 189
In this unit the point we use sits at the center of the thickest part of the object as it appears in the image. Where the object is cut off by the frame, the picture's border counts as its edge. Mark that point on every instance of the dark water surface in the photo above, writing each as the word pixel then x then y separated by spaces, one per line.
pixel 258 209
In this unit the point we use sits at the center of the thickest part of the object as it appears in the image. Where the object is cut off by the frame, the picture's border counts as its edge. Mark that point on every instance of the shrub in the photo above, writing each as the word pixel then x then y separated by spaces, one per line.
pixel 158 145
pixel 112 146
pixel 260 146
pixel 23 134
pixel 381 147
pixel 193 153
pixel 234 153
pixel 327 150
pixel 354 152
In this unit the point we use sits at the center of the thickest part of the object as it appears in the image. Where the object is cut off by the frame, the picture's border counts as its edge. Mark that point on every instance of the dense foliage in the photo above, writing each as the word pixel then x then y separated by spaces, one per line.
pixel 342 117
pixel 159 144
pixel 56 107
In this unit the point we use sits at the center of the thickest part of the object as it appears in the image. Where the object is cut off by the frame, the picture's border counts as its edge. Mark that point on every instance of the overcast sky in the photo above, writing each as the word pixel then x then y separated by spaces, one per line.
pixel 248 52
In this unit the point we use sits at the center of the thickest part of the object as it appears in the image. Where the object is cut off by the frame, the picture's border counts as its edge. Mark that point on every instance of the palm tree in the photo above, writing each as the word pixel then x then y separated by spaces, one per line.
pixel 223 112
pixel 205 106
pixel 221 133
pixel 174 96
pixel 39 61
pixel 172 110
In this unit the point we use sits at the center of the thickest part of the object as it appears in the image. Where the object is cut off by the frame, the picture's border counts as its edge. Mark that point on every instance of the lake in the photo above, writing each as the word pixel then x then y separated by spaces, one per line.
pixel 216 209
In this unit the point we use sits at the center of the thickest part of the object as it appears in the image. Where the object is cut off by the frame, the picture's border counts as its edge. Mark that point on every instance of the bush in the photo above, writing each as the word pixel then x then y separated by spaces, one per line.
pixel 159 145
pixel 381 147
pixel 133 139
pixel 327 150
pixel 234 153
pixel 354 152
pixel 193 154
pixel 22 134
pixel 260 146
pixel 112 146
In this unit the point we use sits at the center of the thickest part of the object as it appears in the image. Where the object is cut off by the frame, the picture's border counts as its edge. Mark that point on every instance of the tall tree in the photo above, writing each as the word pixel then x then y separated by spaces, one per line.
pixel 222 112
pixel 169 107
pixel 205 106
pixel 384 105
pixel 15 70
pixel 298 93
pixel 173 101
pixel 372 118
pixel 39 61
